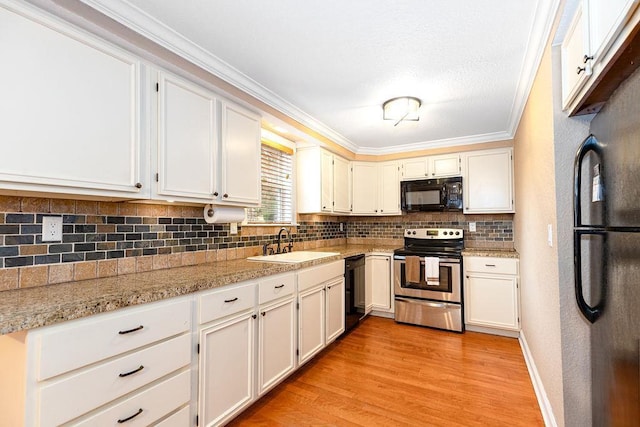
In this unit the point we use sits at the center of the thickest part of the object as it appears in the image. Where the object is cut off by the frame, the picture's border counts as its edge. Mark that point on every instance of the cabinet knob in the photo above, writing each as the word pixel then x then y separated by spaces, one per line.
pixel 138 185
pixel 376 210
pixel 264 313
pixel 433 174
pixel 254 316
pixel 215 194
pixel 587 58
pixel 580 69
pixel 225 195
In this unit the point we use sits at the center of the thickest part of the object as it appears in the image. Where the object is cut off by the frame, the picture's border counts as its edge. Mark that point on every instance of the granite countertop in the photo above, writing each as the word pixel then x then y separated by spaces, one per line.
pixel 498 253
pixel 30 308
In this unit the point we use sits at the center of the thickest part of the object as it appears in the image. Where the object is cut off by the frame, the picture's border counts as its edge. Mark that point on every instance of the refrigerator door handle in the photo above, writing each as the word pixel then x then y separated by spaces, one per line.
pixel 590 313
pixel 589 144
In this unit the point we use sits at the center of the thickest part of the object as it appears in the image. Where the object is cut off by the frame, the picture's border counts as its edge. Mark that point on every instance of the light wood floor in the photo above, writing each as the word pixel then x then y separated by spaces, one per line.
pixel 388 374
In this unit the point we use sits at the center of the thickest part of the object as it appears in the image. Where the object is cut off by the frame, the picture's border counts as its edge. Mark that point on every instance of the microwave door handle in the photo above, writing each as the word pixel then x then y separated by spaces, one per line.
pixel 588 145
pixel 590 313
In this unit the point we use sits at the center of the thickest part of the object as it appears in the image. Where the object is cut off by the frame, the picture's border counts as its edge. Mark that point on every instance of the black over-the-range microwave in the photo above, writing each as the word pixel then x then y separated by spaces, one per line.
pixel 439 195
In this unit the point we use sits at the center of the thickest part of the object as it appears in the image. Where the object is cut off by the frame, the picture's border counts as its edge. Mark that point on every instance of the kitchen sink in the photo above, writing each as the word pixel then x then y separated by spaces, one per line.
pixel 293 257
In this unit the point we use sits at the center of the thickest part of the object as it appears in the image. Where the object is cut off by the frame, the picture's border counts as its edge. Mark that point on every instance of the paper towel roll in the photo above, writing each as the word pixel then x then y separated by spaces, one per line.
pixel 218 214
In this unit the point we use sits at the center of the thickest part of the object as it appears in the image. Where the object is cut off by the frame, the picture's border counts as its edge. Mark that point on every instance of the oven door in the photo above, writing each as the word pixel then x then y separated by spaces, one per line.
pixel 448 289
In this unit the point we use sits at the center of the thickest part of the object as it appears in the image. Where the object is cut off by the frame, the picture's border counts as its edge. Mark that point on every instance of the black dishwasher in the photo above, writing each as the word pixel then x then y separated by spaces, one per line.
pixel 354 301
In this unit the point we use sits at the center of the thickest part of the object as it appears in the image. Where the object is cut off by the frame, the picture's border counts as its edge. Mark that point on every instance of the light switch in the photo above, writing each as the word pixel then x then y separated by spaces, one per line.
pixel 233 228
pixel 550 235
pixel 472 226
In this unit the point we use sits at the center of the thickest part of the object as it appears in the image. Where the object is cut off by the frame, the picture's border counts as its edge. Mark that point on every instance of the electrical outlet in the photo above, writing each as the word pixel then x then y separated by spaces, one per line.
pixel 341 226
pixel 51 228
pixel 472 227
pixel 550 235
pixel 233 228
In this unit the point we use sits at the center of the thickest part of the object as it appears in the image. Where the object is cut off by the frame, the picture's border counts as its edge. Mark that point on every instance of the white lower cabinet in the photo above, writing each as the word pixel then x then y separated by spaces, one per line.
pixel 227 352
pixel 320 308
pixel 378 282
pixel 491 294
pixel 334 309
pixel 133 366
pixel 311 323
pixel 276 331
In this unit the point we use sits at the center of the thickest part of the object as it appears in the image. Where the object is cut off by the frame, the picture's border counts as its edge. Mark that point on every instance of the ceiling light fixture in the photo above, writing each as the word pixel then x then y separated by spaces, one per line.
pixel 401 108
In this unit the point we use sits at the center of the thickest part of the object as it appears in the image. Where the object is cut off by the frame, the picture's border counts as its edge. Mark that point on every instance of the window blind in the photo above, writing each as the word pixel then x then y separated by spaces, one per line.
pixel 276 188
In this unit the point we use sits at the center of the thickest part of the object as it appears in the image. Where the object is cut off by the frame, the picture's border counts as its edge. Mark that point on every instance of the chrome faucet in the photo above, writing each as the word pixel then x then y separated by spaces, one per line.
pixel 288 247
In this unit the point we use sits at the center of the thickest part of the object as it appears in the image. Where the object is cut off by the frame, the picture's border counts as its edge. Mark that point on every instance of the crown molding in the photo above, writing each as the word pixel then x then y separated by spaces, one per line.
pixel 542 24
pixel 154 30
pixel 448 142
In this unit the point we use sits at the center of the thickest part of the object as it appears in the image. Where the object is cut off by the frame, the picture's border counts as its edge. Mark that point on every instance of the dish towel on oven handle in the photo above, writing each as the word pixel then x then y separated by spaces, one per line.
pixel 432 271
pixel 412 267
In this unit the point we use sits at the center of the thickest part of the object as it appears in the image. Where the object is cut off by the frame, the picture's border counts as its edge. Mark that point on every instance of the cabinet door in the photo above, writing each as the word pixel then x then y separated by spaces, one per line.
pixel 574 49
pixel 240 152
pixel 226 369
pixel 445 165
pixel 365 190
pixel 491 301
pixel 488 181
pixel 417 168
pixel 70 109
pixel 389 188
pixel 326 181
pixel 335 309
pixel 341 185
pixel 378 273
pixel 187 140
pixel 605 20
pixel 311 323
pixel 276 343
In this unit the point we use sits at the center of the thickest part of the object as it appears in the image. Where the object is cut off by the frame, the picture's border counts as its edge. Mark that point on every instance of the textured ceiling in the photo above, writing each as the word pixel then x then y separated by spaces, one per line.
pixel 332 63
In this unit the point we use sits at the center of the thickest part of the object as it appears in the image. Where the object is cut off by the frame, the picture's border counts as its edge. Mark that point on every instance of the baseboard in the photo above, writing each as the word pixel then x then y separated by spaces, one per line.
pixel 492 331
pixel 381 314
pixel 538 387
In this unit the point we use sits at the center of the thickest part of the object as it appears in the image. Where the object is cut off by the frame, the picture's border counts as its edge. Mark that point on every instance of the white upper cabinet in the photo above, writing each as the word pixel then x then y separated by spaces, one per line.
pixel 605 19
pixel 597 34
pixel 417 168
pixel 341 185
pixel 431 167
pixel 365 190
pixel 239 156
pixel 71 110
pixel 574 53
pixel 376 188
pixel 323 182
pixel 488 181
pixel 389 188
pixel 444 165
pixel 208 149
pixel 187 140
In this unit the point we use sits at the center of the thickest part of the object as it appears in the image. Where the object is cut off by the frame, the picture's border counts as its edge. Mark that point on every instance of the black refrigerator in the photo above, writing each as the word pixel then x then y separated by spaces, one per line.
pixel 607 257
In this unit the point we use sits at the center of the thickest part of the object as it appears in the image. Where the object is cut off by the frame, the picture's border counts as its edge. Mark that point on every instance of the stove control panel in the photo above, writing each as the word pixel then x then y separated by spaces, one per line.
pixel 434 233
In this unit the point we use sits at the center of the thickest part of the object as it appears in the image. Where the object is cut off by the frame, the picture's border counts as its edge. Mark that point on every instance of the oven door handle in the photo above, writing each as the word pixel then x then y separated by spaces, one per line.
pixel 427 303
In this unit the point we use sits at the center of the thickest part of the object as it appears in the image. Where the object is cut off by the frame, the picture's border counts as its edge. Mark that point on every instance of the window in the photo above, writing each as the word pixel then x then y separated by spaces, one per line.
pixel 277 186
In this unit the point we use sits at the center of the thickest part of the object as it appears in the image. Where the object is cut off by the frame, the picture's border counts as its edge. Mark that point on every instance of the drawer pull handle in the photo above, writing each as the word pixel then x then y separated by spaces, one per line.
pixel 126 374
pixel 124 420
pixel 279 286
pixel 489 265
pixel 231 300
pixel 128 331
pixel 264 313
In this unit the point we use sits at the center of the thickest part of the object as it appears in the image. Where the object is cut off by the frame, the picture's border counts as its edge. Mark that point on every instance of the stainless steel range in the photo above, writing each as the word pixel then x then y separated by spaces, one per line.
pixel 428 279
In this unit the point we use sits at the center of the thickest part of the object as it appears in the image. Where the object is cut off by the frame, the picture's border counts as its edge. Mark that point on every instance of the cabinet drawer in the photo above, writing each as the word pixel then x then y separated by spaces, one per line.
pixel 78 394
pixel 224 302
pixel 313 275
pixel 272 288
pixel 148 406
pixel 491 265
pixel 69 346
pixel 179 419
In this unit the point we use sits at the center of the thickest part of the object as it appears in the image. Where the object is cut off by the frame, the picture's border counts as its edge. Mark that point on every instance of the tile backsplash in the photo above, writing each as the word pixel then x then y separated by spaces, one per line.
pixel 102 239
